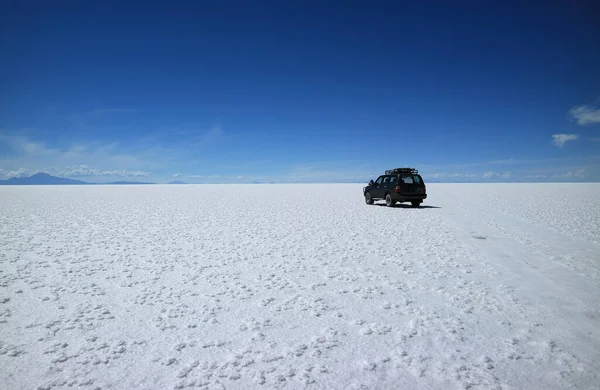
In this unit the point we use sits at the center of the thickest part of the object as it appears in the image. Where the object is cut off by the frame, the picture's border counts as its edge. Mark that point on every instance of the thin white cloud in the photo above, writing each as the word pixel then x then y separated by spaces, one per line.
pixel 561 139
pixel 138 158
pixel 585 115
pixel 496 175
pixel 114 110
pixel 21 172
pixel 330 171
pixel 536 176
pixel 76 159
pixel 83 117
pixel 589 172
pixel 500 162
pixel 85 171
pixel 452 175
pixel 580 173
pixel 176 175
pixel 205 176
pixel 24 146
pixel 464 176
pixel 208 138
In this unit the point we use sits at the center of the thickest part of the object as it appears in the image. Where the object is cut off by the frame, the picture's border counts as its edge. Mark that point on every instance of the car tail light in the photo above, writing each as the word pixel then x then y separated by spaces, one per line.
pixel 397 189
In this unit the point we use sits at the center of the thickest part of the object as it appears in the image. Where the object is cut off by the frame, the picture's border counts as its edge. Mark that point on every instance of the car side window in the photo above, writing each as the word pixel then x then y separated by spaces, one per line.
pixel 393 179
pixel 379 180
pixel 417 179
pixel 386 180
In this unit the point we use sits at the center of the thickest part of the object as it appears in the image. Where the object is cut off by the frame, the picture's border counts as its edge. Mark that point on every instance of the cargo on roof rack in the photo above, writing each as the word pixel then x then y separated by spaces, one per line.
pixel 401 170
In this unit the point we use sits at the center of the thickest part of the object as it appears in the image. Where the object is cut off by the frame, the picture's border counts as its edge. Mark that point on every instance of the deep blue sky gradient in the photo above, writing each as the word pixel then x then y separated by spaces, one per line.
pixel 311 91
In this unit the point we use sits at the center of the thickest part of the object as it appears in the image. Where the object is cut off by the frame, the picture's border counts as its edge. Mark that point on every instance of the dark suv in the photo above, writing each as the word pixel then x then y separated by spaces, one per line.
pixel 397 185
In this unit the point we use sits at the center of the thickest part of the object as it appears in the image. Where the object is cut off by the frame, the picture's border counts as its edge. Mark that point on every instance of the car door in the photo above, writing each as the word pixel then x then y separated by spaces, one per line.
pixel 385 187
pixel 377 190
pixel 391 187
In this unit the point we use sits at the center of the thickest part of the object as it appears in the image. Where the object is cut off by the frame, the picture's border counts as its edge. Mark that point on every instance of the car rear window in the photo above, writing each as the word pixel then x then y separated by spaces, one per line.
pixel 411 179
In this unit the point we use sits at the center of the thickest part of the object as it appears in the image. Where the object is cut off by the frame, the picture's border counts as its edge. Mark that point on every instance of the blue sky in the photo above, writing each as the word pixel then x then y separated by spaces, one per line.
pixel 312 92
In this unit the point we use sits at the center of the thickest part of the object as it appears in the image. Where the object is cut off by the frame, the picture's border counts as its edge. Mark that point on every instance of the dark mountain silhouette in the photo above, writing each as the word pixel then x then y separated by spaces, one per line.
pixel 41 178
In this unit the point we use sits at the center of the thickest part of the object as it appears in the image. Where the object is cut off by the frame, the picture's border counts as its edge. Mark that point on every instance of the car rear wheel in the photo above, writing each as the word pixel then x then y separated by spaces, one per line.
pixel 388 201
pixel 415 204
pixel 368 198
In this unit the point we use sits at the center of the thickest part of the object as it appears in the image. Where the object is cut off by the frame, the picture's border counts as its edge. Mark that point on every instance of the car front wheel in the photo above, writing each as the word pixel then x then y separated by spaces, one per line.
pixel 368 198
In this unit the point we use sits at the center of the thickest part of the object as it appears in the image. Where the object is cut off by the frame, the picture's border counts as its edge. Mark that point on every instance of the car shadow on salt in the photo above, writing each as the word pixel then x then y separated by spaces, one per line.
pixel 407 206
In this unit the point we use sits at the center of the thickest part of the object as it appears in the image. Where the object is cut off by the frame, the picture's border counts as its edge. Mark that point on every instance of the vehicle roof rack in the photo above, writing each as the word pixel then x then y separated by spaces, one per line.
pixel 401 170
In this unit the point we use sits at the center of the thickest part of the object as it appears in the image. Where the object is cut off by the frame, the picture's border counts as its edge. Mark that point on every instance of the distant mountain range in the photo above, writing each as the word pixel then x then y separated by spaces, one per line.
pixel 126 182
pixel 43 178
